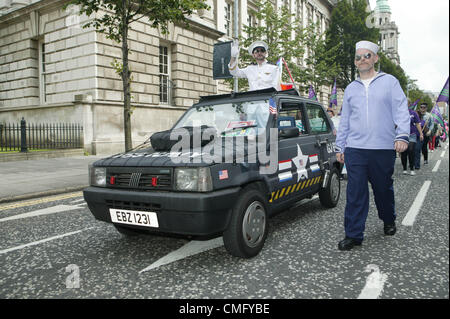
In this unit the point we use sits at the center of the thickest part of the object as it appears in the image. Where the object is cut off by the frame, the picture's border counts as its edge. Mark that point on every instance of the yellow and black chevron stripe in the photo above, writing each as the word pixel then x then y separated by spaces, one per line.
pixel 283 192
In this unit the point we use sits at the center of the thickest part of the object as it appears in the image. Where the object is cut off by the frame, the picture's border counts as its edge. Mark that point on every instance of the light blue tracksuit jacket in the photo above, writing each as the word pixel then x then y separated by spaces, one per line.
pixel 374 120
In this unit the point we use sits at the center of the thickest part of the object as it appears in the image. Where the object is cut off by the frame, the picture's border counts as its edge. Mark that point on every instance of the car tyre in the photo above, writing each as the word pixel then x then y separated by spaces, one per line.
pixel 247 229
pixel 329 196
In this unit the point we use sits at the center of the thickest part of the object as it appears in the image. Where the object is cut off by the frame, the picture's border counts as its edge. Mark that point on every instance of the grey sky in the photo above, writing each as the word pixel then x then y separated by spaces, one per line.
pixel 423 40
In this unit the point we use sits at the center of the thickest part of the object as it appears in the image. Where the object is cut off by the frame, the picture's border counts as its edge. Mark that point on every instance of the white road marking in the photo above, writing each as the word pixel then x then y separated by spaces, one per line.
pixel 417 204
pixel 305 201
pixel 41 241
pixel 78 201
pixel 197 247
pixel 374 283
pixel 191 248
pixel 436 167
pixel 443 154
pixel 44 211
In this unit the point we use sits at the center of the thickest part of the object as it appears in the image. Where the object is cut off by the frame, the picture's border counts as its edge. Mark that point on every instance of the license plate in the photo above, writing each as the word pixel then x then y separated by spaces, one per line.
pixel 132 217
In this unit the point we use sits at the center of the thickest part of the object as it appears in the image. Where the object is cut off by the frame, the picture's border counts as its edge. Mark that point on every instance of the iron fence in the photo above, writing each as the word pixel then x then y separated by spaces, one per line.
pixel 24 136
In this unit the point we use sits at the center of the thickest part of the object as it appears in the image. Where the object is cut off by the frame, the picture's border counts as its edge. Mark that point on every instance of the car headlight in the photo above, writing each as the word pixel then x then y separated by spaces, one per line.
pixel 97 176
pixel 193 179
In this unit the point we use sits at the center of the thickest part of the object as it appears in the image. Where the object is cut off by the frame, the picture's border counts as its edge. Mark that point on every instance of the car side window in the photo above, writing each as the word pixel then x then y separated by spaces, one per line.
pixel 317 119
pixel 291 116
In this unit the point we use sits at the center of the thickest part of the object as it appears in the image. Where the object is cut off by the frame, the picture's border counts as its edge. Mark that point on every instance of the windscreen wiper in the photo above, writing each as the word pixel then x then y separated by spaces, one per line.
pixel 238 128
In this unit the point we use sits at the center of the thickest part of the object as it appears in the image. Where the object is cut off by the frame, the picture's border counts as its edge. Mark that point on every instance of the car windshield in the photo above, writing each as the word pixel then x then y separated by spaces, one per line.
pixel 229 119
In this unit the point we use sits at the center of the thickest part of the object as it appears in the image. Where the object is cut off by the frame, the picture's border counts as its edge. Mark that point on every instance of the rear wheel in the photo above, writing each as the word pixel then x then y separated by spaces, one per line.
pixel 247 231
pixel 329 196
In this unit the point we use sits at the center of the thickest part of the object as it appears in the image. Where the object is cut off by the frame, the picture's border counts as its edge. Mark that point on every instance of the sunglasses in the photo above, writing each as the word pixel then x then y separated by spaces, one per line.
pixel 365 56
pixel 259 50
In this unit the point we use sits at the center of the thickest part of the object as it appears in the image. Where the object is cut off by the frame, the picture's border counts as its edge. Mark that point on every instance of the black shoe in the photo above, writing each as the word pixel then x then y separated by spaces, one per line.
pixel 390 229
pixel 348 243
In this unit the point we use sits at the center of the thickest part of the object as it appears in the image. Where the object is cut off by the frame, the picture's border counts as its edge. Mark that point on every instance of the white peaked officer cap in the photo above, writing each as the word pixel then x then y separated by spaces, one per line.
pixel 367 45
pixel 257 44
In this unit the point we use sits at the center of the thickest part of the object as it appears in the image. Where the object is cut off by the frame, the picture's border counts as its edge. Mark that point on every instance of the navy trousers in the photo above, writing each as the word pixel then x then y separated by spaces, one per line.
pixel 376 167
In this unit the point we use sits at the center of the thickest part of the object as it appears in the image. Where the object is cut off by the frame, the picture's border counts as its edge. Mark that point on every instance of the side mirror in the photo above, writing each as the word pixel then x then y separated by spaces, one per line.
pixel 288 132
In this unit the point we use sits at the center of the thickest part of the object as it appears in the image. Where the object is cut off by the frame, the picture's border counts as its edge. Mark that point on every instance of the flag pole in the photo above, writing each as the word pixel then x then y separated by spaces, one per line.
pixel 236 36
pixel 290 75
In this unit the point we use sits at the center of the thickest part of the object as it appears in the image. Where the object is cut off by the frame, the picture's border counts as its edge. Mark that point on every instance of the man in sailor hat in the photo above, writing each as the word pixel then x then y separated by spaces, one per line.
pixel 261 75
pixel 375 123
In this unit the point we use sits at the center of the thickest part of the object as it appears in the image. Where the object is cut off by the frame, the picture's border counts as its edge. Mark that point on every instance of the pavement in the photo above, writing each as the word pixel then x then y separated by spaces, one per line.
pixel 26 179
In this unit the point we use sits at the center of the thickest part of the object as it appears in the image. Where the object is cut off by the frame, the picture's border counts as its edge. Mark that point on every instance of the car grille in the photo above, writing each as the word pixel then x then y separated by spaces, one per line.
pixel 139 178
pixel 130 205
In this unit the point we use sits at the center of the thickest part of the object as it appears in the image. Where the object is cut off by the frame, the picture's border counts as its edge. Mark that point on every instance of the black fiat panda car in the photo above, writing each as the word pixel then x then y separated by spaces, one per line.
pixel 228 164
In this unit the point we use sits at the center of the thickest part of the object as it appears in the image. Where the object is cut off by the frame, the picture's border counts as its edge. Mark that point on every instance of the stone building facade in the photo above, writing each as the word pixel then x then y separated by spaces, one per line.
pixel 52 70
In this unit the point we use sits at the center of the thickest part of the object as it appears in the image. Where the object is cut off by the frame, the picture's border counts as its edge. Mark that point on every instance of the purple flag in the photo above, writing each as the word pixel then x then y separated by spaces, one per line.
pixel 413 106
pixel 443 97
pixel 333 97
pixel 437 116
pixel 312 94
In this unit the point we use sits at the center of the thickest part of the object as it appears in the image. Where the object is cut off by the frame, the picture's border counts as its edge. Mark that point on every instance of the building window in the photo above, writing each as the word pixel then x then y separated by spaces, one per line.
pixel 310 14
pixel 299 5
pixel 228 23
pixel 164 75
pixel 250 21
pixel 41 61
pixel 319 23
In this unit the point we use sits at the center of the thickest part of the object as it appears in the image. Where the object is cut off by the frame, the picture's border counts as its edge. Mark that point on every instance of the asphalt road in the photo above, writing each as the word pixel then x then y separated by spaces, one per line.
pixel 54 248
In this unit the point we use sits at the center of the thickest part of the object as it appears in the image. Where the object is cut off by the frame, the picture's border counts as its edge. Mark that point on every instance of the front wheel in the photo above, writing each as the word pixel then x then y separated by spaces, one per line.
pixel 329 196
pixel 247 230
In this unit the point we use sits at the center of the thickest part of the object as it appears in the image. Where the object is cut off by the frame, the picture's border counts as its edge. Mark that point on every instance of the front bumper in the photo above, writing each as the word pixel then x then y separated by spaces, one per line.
pixel 196 214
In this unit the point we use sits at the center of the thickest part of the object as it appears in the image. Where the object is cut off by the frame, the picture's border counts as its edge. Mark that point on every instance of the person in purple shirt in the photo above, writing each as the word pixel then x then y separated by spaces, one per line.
pixel 415 135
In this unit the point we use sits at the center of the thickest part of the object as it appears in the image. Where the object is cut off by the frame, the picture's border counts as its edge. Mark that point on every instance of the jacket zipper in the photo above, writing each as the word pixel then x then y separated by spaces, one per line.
pixel 367 95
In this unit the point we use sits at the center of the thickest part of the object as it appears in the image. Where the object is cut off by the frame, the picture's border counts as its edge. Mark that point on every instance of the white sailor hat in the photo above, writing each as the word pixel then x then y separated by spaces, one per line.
pixel 257 44
pixel 367 45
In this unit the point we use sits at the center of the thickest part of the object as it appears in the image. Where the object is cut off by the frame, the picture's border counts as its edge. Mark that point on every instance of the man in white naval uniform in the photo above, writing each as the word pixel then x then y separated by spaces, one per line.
pixel 261 75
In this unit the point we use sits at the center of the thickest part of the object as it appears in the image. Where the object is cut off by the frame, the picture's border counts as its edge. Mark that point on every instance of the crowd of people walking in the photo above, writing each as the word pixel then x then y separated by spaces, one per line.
pixel 425 136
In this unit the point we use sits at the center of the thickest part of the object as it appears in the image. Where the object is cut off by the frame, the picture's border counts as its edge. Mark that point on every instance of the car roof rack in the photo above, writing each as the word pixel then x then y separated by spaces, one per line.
pixel 248 93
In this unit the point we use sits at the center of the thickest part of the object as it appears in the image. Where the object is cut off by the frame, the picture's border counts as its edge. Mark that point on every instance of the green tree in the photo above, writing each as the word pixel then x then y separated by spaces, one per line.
pixel 115 17
pixel 387 66
pixel 416 93
pixel 282 33
pixel 321 66
pixel 348 26
pixel 287 38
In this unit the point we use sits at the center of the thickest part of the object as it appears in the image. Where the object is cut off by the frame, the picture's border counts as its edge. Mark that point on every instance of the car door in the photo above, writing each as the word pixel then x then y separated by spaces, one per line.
pixel 294 179
pixel 321 129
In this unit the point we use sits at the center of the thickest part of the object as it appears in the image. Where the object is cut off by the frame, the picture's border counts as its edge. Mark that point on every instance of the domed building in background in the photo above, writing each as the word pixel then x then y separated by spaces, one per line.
pixel 388 31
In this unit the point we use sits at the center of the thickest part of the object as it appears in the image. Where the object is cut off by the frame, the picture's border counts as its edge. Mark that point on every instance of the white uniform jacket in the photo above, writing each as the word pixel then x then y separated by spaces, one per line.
pixel 259 77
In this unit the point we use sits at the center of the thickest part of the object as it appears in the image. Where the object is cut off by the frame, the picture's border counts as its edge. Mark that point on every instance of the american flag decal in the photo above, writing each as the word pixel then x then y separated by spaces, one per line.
pixel 223 174
pixel 286 167
pixel 272 106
